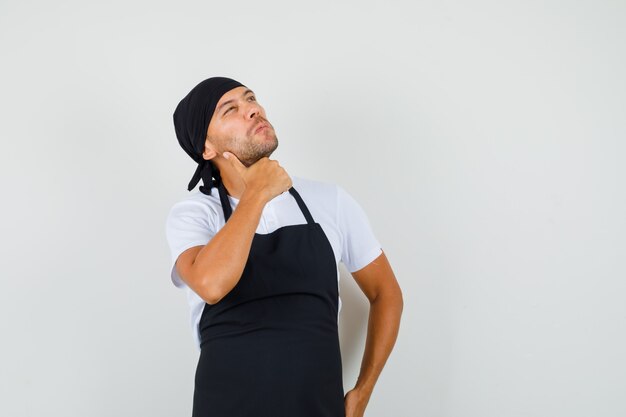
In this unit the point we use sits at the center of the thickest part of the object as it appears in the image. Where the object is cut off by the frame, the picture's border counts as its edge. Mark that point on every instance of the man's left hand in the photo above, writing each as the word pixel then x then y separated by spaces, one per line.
pixel 355 402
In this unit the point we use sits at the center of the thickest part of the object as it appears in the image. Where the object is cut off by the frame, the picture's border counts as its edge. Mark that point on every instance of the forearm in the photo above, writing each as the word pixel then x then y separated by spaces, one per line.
pixel 382 332
pixel 221 262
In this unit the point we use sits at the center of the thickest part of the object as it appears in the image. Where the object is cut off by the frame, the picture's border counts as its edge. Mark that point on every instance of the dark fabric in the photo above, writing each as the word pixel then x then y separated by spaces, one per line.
pixel 191 121
pixel 270 347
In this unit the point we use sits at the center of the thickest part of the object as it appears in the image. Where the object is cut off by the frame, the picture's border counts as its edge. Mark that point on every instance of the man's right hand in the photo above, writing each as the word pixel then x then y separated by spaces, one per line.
pixel 265 176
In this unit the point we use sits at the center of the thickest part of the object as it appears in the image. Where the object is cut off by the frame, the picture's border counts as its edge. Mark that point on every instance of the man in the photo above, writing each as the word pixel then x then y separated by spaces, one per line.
pixel 262 279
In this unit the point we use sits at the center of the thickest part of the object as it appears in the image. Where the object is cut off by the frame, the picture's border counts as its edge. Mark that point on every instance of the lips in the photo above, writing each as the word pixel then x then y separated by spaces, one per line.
pixel 260 126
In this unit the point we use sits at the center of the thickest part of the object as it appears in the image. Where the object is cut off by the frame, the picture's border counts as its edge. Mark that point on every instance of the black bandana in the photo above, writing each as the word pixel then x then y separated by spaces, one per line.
pixel 191 121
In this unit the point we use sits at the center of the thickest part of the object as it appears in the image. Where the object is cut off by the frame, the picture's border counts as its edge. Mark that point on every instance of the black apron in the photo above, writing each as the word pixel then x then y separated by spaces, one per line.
pixel 270 347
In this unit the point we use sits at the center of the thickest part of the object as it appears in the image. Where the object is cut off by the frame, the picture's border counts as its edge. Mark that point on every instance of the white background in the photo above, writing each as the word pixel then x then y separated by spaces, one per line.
pixel 484 139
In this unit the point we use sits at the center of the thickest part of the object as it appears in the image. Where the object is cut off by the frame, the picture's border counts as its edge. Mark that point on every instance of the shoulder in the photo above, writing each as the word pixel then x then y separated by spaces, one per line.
pixel 317 191
pixel 324 190
pixel 195 204
pixel 329 194
pixel 311 184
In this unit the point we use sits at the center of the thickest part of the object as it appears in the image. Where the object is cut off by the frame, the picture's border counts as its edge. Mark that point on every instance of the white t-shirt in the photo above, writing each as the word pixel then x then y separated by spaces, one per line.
pixel 196 219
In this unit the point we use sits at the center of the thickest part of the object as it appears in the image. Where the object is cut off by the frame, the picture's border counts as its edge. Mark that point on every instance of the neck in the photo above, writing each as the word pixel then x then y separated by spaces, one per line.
pixel 232 180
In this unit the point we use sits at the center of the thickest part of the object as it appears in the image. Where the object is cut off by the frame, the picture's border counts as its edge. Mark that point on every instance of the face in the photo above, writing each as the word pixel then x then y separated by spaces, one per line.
pixel 233 128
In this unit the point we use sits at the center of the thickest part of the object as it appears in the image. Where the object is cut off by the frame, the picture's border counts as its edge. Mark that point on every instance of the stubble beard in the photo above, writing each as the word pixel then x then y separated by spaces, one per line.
pixel 255 149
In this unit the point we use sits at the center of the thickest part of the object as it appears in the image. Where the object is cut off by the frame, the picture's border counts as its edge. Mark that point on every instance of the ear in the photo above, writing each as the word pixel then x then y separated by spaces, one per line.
pixel 209 152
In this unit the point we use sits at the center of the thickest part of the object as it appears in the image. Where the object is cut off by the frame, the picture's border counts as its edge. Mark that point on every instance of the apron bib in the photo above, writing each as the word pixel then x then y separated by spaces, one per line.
pixel 270 347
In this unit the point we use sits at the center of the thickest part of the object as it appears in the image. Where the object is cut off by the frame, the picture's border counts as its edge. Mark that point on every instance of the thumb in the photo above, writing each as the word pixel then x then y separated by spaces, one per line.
pixel 235 162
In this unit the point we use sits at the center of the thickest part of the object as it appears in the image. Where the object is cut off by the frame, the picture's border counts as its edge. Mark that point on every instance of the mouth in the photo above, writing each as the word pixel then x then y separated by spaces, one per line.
pixel 261 127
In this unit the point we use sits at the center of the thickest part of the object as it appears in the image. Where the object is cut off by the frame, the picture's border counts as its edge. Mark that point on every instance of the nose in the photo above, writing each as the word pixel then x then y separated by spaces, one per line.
pixel 254 110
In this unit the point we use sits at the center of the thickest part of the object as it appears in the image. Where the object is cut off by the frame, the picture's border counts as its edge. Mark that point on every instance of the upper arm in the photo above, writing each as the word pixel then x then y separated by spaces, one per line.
pixel 190 225
pixel 362 253
pixel 377 278
pixel 359 245
pixel 184 264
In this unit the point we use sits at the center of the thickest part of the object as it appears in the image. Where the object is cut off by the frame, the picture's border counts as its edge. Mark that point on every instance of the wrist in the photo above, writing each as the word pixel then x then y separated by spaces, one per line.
pixel 254 195
pixel 364 389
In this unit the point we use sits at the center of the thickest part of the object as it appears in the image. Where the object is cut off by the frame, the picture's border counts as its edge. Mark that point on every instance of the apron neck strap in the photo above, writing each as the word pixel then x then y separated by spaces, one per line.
pixel 303 207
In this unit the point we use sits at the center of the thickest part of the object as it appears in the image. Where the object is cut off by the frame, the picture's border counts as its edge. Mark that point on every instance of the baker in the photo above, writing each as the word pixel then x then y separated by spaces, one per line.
pixel 257 252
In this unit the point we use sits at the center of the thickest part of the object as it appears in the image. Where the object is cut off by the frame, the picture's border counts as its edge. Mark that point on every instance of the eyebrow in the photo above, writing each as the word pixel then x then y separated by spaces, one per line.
pixel 231 100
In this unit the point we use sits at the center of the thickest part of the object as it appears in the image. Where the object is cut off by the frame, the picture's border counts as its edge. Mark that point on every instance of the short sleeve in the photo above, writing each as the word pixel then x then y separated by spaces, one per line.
pixel 189 223
pixel 359 245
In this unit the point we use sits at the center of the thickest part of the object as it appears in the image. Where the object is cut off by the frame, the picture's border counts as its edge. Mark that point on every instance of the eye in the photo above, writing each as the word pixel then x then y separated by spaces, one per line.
pixel 232 107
